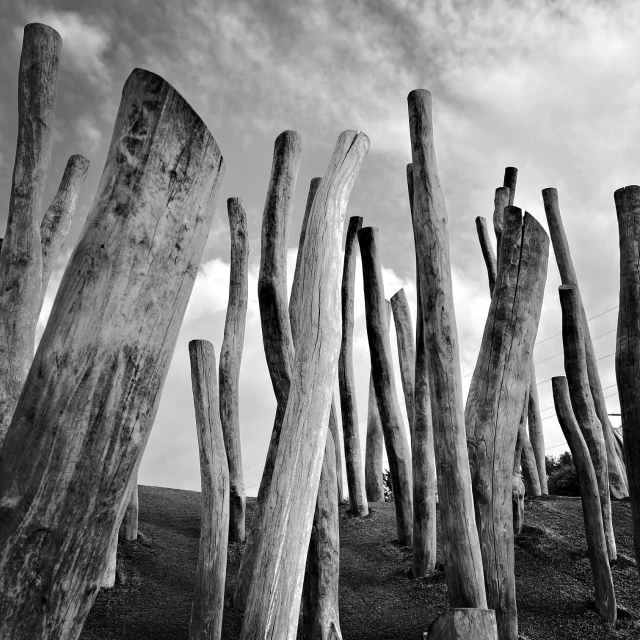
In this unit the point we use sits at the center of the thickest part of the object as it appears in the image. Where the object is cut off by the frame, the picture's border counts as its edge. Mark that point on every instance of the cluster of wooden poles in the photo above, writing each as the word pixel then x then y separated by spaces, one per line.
pixel 75 418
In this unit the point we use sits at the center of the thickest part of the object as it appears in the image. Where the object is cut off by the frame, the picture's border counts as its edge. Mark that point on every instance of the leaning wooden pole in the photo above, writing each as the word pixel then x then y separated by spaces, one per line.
pixel 348 406
pixel 510 182
pixel 487 251
pixel 461 547
pixel 208 598
pixel 230 359
pixel 110 338
pixel 274 597
pixel 129 525
pixel 525 457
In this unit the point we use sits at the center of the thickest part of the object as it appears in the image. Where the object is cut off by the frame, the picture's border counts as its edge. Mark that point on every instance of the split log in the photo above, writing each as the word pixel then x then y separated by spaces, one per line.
pixel 590 495
pixel 575 366
pixel 21 255
pixel 617 471
pixel 487 251
pixel 536 433
pixel 348 406
pixel 395 440
pixel 109 339
pixel 273 604
pixel 628 344
pixel 129 525
pixel 208 597
pixel 509 182
pixel 464 624
pixel 230 359
pixel 461 548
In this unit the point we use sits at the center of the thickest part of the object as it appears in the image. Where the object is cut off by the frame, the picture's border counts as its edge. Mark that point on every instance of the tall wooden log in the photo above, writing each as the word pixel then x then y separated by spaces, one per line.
pixel 464 624
pixel 274 597
pixel 208 597
pixel 129 525
pixel 230 359
pixel 108 579
pixel 21 255
pixel 348 406
pixel 536 433
pixel 487 251
pixel 628 344
pixel 93 389
pixel 525 457
pixel 575 366
pixel 333 427
pixel 500 201
pixel 590 495
pixel 617 471
pixel 398 454
pixel 510 181
pixel 461 548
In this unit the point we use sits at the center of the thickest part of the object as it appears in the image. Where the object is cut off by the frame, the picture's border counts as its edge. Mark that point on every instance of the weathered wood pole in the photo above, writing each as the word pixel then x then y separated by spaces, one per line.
pixel 575 366
pixel 208 597
pixel 509 182
pixel 348 406
pixel 487 251
pixel 524 454
pixel 590 495
pixel 373 479
pixel 108 579
pixel 274 596
pixel 333 427
pixel 129 525
pixel 406 351
pixel 536 433
pixel 500 201
pixel 398 453
pixel 461 547
pixel 21 255
pixel 617 471
pixel 230 359
pixel 464 624
pixel 628 344
pixel 109 339
pixel 496 402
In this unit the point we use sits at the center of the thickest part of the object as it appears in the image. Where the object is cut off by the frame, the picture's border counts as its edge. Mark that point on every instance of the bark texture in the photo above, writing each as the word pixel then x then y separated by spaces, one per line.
pixel 464 624
pixel 93 389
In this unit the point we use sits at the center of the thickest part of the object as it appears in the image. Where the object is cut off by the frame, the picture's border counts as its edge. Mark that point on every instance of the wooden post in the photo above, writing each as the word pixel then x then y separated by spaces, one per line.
pixel 590 495
pixel 536 433
pixel 110 338
pixel 487 251
pixel 108 579
pixel 129 525
pixel 208 597
pixel 524 454
pixel 381 368
pixel 230 359
pixel 21 255
pixel 461 548
pixel 500 201
pixel 510 181
pixel 575 366
pixel 617 472
pixel 274 597
pixel 333 427
pixel 628 344
pixel 464 624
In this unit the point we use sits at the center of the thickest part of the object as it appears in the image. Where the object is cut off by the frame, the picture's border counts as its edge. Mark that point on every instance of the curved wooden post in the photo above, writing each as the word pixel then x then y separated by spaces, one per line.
pixel 617 471
pixel 208 597
pixel 487 251
pixel 274 596
pixel 461 548
pixel 536 433
pixel 110 338
pixel 524 455
pixel 590 495
pixel 575 366
pixel 464 624
pixel 395 440
pixel 230 359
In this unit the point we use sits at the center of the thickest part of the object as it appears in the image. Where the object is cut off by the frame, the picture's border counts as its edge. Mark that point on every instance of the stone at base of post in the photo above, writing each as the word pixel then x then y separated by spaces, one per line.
pixel 463 624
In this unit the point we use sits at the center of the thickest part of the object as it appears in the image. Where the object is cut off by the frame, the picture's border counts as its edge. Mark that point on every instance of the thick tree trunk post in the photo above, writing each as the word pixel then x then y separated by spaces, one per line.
pixel 320 611
pixel 536 434
pixel 509 182
pixel 129 525
pixel 575 366
pixel 617 471
pixel 628 344
pixel 230 359
pixel 398 454
pixel 208 597
pixel 487 251
pixel 110 339
pixel 464 624
pixel 274 597
pixel 348 405
pixel 590 495
pixel 21 255
pixel 461 547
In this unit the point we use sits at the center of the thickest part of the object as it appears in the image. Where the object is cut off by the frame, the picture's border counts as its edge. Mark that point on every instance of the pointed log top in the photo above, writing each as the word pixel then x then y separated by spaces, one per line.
pixel 420 94
pixel 399 296
pixel 34 29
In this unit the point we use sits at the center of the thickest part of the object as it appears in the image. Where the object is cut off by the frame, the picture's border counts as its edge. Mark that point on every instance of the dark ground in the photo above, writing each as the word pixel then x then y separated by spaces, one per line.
pixel 156 573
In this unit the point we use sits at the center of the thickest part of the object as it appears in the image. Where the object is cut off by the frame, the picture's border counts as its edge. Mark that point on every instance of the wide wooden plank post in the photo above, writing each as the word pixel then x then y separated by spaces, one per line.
pixel 230 359
pixel 274 596
pixel 208 598
pixel 398 454
pixel 349 409
pixel 67 460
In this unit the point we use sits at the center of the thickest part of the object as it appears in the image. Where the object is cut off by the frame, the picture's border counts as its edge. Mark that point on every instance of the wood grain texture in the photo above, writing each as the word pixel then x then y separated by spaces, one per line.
pixel 628 344
pixel 464 624
pixel 500 201
pixel 536 431
pixel 21 255
pixel 510 181
pixel 590 495
pixel 208 597
pixel 274 597
pixel 528 460
pixel 230 361
pixel 461 547
pixel 337 449
pixel 615 464
pixel 575 366
pixel 496 403
pixel 398 453
pixel 487 251
pixel 93 389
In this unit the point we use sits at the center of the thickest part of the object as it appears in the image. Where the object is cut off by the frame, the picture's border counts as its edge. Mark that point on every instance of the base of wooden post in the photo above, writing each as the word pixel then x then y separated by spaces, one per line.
pixel 463 624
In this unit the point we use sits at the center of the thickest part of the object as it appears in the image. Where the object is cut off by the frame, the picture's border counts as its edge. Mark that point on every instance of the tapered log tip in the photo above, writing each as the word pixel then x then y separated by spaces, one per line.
pixel 620 195
pixel 234 202
pixel 419 95
pixel 367 233
pixel 79 162
pixel 398 296
pixel 532 221
pixel 351 137
pixel 550 193
pixel 355 222
pixel 37 29
pixel 200 345
pixel 290 137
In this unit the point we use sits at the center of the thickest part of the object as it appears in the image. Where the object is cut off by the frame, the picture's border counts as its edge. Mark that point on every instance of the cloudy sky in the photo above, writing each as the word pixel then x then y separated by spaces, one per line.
pixel 549 87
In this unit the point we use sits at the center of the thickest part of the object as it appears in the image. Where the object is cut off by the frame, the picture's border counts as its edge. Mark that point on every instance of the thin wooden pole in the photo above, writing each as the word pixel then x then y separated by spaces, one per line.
pixel 500 201
pixel 487 251
pixel 536 433
pixel 337 449
pixel 509 182
pixel 129 525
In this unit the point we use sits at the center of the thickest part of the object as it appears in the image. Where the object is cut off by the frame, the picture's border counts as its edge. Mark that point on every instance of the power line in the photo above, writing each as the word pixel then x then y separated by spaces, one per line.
pixel 555 335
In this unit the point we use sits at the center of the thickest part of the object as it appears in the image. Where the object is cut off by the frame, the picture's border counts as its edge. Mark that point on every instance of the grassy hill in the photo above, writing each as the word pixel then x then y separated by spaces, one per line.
pixel 378 601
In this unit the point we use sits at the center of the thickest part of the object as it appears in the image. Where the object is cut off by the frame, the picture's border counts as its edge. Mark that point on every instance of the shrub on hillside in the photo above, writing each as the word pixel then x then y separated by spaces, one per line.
pixel 388 488
pixel 562 475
